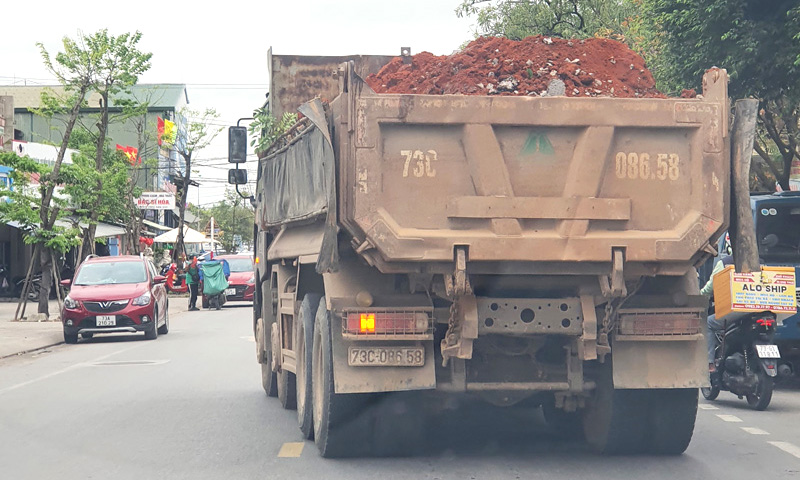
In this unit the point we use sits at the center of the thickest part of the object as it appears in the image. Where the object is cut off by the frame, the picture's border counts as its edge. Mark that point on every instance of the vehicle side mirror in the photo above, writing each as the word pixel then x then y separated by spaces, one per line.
pixel 65 283
pixel 158 279
pixel 237 144
pixel 237 177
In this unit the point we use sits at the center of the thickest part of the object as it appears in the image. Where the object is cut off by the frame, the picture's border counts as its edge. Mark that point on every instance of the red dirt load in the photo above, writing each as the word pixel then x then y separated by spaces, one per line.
pixel 594 67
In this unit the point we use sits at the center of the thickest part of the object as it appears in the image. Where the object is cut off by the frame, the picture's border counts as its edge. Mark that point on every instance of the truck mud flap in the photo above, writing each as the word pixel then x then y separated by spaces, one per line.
pixel 661 363
pixel 374 379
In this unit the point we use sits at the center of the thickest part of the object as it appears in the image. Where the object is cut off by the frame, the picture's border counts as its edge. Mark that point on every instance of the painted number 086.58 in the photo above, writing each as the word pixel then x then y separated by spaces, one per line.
pixel 637 166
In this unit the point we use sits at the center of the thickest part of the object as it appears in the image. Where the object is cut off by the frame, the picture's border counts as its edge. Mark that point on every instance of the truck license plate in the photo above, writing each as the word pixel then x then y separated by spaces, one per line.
pixel 768 351
pixel 386 356
pixel 106 320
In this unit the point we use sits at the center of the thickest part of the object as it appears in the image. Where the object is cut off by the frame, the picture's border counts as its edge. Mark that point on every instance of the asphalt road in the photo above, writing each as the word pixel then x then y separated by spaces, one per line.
pixel 190 405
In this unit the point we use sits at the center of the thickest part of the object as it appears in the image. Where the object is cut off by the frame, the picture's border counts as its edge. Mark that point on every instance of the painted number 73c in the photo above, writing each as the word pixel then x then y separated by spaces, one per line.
pixel 421 163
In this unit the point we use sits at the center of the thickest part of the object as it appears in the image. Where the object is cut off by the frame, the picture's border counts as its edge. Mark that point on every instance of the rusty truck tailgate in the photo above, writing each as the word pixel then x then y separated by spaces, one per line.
pixel 537 179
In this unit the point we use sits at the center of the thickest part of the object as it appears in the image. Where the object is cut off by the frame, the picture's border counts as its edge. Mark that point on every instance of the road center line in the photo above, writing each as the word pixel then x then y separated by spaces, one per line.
pixel 291 450
pixel 705 406
pixel 64 370
pixel 729 418
pixel 754 431
pixel 787 447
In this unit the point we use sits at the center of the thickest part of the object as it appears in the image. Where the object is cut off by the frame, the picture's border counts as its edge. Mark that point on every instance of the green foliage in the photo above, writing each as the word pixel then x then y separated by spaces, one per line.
pixel 22 204
pixel 517 19
pixel 266 128
pixel 233 216
pixel 754 42
pixel 199 128
pixel 118 59
pixel 80 180
pixel 758 44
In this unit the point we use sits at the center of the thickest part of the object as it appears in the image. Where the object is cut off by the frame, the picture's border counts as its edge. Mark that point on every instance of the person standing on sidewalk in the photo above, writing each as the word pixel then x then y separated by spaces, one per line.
pixel 192 281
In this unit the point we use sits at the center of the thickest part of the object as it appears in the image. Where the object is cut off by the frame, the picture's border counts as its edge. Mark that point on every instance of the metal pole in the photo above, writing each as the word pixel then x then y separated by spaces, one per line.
pixel 212 235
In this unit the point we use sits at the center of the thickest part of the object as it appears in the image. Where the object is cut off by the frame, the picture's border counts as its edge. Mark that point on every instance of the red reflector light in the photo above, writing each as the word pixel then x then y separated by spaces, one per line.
pixel 387 323
pixel 766 322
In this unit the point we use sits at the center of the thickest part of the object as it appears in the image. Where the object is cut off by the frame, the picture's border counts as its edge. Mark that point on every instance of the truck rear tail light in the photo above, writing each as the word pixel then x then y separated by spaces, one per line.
pixel 659 323
pixel 387 323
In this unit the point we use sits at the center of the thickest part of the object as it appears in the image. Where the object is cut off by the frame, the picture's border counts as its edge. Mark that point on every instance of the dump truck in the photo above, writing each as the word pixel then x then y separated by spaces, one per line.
pixel 514 249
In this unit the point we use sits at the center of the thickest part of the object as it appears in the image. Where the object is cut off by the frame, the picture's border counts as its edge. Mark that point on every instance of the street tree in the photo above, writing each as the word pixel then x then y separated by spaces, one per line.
pixel 120 64
pixel 757 43
pixel 75 68
pixel 517 19
pixel 199 132
pixel 22 204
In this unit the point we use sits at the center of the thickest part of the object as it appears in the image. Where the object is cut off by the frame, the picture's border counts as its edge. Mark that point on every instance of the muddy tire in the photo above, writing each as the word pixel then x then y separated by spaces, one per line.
pixel 399 425
pixel 567 425
pixel 672 416
pixel 269 380
pixel 305 340
pixel 287 389
pixel 615 420
pixel 342 426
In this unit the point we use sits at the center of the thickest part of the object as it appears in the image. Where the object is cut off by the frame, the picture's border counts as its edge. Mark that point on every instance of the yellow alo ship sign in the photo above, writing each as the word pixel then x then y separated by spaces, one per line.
pixel 771 289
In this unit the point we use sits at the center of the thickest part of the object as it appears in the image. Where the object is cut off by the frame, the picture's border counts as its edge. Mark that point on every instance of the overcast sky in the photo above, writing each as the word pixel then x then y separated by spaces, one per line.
pixel 219 49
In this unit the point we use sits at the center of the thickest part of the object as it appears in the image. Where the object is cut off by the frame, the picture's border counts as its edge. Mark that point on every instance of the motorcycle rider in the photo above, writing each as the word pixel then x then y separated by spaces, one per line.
pixel 714 325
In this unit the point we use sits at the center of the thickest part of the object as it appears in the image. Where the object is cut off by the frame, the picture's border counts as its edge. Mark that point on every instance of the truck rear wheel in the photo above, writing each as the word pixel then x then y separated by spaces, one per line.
pixel 342 427
pixel 264 353
pixel 399 425
pixel 673 413
pixel 615 420
pixel 287 384
pixel 305 339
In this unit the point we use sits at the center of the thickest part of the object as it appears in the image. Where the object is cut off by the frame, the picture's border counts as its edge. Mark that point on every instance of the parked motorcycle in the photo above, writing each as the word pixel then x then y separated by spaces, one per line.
pixel 6 282
pixel 746 360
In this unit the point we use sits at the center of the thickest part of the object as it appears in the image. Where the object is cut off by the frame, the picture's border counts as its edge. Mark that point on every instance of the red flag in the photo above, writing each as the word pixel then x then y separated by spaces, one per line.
pixel 160 125
pixel 130 152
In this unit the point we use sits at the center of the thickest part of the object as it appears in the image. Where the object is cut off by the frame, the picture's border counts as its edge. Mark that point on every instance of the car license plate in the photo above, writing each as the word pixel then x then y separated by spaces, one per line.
pixel 386 356
pixel 106 320
pixel 230 291
pixel 768 351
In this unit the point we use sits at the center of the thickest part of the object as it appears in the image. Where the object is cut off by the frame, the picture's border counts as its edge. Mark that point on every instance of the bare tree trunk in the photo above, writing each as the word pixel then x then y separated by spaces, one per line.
pixel 23 298
pixel 743 237
pixel 45 261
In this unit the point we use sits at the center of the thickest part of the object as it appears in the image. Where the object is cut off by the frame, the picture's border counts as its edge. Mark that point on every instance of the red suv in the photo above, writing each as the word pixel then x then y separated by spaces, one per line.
pixel 241 283
pixel 115 294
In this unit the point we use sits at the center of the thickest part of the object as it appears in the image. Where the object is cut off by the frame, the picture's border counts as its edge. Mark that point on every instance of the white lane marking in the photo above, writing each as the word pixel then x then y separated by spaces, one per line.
pixel 705 406
pixel 291 450
pixel 64 370
pixel 754 431
pixel 729 418
pixel 787 447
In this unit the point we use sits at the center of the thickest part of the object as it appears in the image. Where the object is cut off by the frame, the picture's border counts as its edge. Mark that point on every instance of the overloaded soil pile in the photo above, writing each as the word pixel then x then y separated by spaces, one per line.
pixel 594 67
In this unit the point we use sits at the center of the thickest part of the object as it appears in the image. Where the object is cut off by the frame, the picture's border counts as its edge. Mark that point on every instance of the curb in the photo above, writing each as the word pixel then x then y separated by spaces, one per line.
pixel 25 352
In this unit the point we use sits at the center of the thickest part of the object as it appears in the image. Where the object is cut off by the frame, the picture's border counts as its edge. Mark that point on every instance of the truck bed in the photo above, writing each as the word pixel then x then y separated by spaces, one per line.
pixel 554 180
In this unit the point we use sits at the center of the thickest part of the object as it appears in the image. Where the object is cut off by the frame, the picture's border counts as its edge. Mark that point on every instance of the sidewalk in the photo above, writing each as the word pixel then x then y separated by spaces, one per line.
pixel 20 337
pixel 24 336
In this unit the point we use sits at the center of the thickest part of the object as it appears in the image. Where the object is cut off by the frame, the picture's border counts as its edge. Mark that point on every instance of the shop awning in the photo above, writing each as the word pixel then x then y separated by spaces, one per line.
pixel 155 225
